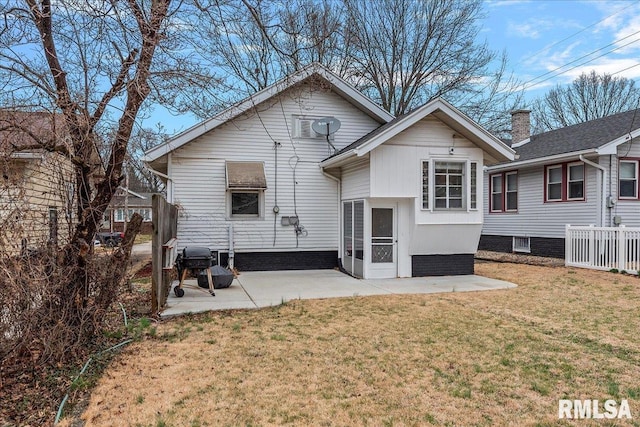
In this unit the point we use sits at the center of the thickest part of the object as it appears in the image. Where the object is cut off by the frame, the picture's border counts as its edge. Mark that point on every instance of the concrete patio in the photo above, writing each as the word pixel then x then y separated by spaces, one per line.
pixel 269 288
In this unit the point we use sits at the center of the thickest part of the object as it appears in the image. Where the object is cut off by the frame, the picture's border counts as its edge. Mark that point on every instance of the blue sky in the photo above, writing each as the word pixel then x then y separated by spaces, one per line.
pixel 553 42
pixel 548 42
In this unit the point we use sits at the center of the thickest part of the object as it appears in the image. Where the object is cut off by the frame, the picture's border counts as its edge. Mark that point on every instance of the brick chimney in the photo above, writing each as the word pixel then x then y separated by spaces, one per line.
pixel 520 125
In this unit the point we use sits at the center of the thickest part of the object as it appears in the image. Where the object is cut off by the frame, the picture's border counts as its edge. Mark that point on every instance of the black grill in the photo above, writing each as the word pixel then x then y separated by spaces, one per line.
pixel 196 257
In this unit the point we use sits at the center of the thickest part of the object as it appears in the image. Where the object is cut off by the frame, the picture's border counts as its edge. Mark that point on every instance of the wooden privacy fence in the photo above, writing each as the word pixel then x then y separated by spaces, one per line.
pixel 603 248
pixel 164 247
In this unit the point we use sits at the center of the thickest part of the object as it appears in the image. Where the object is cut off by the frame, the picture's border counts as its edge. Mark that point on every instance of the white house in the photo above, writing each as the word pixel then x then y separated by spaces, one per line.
pixel 586 174
pixel 309 173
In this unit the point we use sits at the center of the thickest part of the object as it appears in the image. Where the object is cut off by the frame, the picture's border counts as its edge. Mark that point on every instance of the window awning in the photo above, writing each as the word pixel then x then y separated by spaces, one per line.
pixel 246 176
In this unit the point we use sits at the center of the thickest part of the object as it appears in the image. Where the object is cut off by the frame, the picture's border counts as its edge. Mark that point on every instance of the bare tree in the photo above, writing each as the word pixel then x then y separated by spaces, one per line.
pixel 590 96
pixel 95 65
pixel 408 52
pixel 141 178
pixel 400 53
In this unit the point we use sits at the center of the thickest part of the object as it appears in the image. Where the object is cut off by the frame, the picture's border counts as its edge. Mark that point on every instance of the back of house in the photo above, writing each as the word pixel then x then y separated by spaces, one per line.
pixel 311 174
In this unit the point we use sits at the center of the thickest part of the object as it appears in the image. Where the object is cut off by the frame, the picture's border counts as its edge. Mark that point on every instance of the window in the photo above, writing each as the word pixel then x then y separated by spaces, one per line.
pixel 521 244
pixel 425 184
pixel 576 182
pixel 496 193
pixel 554 183
pixel 564 182
pixel 511 198
pixel 628 179
pixel 449 185
pixel 504 192
pixel 246 182
pixel 474 186
pixel 245 204
pixel 144 212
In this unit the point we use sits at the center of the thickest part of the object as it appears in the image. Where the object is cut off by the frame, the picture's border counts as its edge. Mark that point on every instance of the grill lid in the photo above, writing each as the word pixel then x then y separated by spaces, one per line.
pixel 196 252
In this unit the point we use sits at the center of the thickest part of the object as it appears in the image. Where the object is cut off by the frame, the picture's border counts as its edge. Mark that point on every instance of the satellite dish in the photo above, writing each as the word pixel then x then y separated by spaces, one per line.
pixel 325 126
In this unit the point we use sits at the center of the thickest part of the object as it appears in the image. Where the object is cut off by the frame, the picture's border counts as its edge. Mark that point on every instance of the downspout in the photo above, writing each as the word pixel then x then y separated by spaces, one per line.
pixel 231 249
pixel 338 182
pixel 603 208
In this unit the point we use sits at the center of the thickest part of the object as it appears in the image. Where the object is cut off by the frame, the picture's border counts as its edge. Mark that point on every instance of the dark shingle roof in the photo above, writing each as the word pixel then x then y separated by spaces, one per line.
pixel 583 136
pixel 357 143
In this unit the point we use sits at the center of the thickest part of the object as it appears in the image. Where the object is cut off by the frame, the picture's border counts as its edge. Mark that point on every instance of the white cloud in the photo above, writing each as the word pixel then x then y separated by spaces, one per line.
pixel 528 30
pixel 628 68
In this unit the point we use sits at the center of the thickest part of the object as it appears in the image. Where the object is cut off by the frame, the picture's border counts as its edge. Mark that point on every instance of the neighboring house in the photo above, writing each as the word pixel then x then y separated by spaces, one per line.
pixel 309 173
pixel 123 205
pixel 36 186
pixel 586 174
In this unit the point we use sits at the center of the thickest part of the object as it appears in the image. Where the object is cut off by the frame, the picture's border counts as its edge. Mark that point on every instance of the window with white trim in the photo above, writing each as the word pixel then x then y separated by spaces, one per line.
pixel 425 184
pixel 575 186
pixel 145 213
pixel 473 188
pixel 554 183
pixel 449 185
pixel 628 179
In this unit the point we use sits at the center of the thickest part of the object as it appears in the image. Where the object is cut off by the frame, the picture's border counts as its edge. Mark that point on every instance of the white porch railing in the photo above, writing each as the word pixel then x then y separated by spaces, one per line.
pixel 603 248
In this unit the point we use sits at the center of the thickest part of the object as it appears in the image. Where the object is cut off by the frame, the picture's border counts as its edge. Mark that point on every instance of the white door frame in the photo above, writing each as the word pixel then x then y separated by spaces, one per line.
pixel 381 270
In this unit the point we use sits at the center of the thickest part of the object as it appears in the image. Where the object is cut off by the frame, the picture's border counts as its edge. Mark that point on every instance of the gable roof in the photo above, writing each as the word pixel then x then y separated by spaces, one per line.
pixel 444 112
pixel 338 85
pixel 599 136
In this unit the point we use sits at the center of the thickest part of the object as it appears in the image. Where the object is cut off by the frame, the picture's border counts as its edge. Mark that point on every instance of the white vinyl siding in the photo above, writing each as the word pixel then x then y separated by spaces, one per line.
pixel 355 180
pixel 197 171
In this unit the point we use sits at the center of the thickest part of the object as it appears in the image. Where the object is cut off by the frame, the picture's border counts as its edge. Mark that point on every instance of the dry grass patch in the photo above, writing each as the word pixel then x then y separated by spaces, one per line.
pixel 485 358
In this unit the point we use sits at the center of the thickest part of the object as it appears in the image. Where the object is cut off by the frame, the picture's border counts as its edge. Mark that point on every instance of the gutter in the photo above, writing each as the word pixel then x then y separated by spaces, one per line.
pixel 540 160
pixel 602 169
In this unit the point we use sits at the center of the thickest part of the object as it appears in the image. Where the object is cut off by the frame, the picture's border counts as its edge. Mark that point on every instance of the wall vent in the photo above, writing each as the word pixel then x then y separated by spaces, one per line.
pixel 521 244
